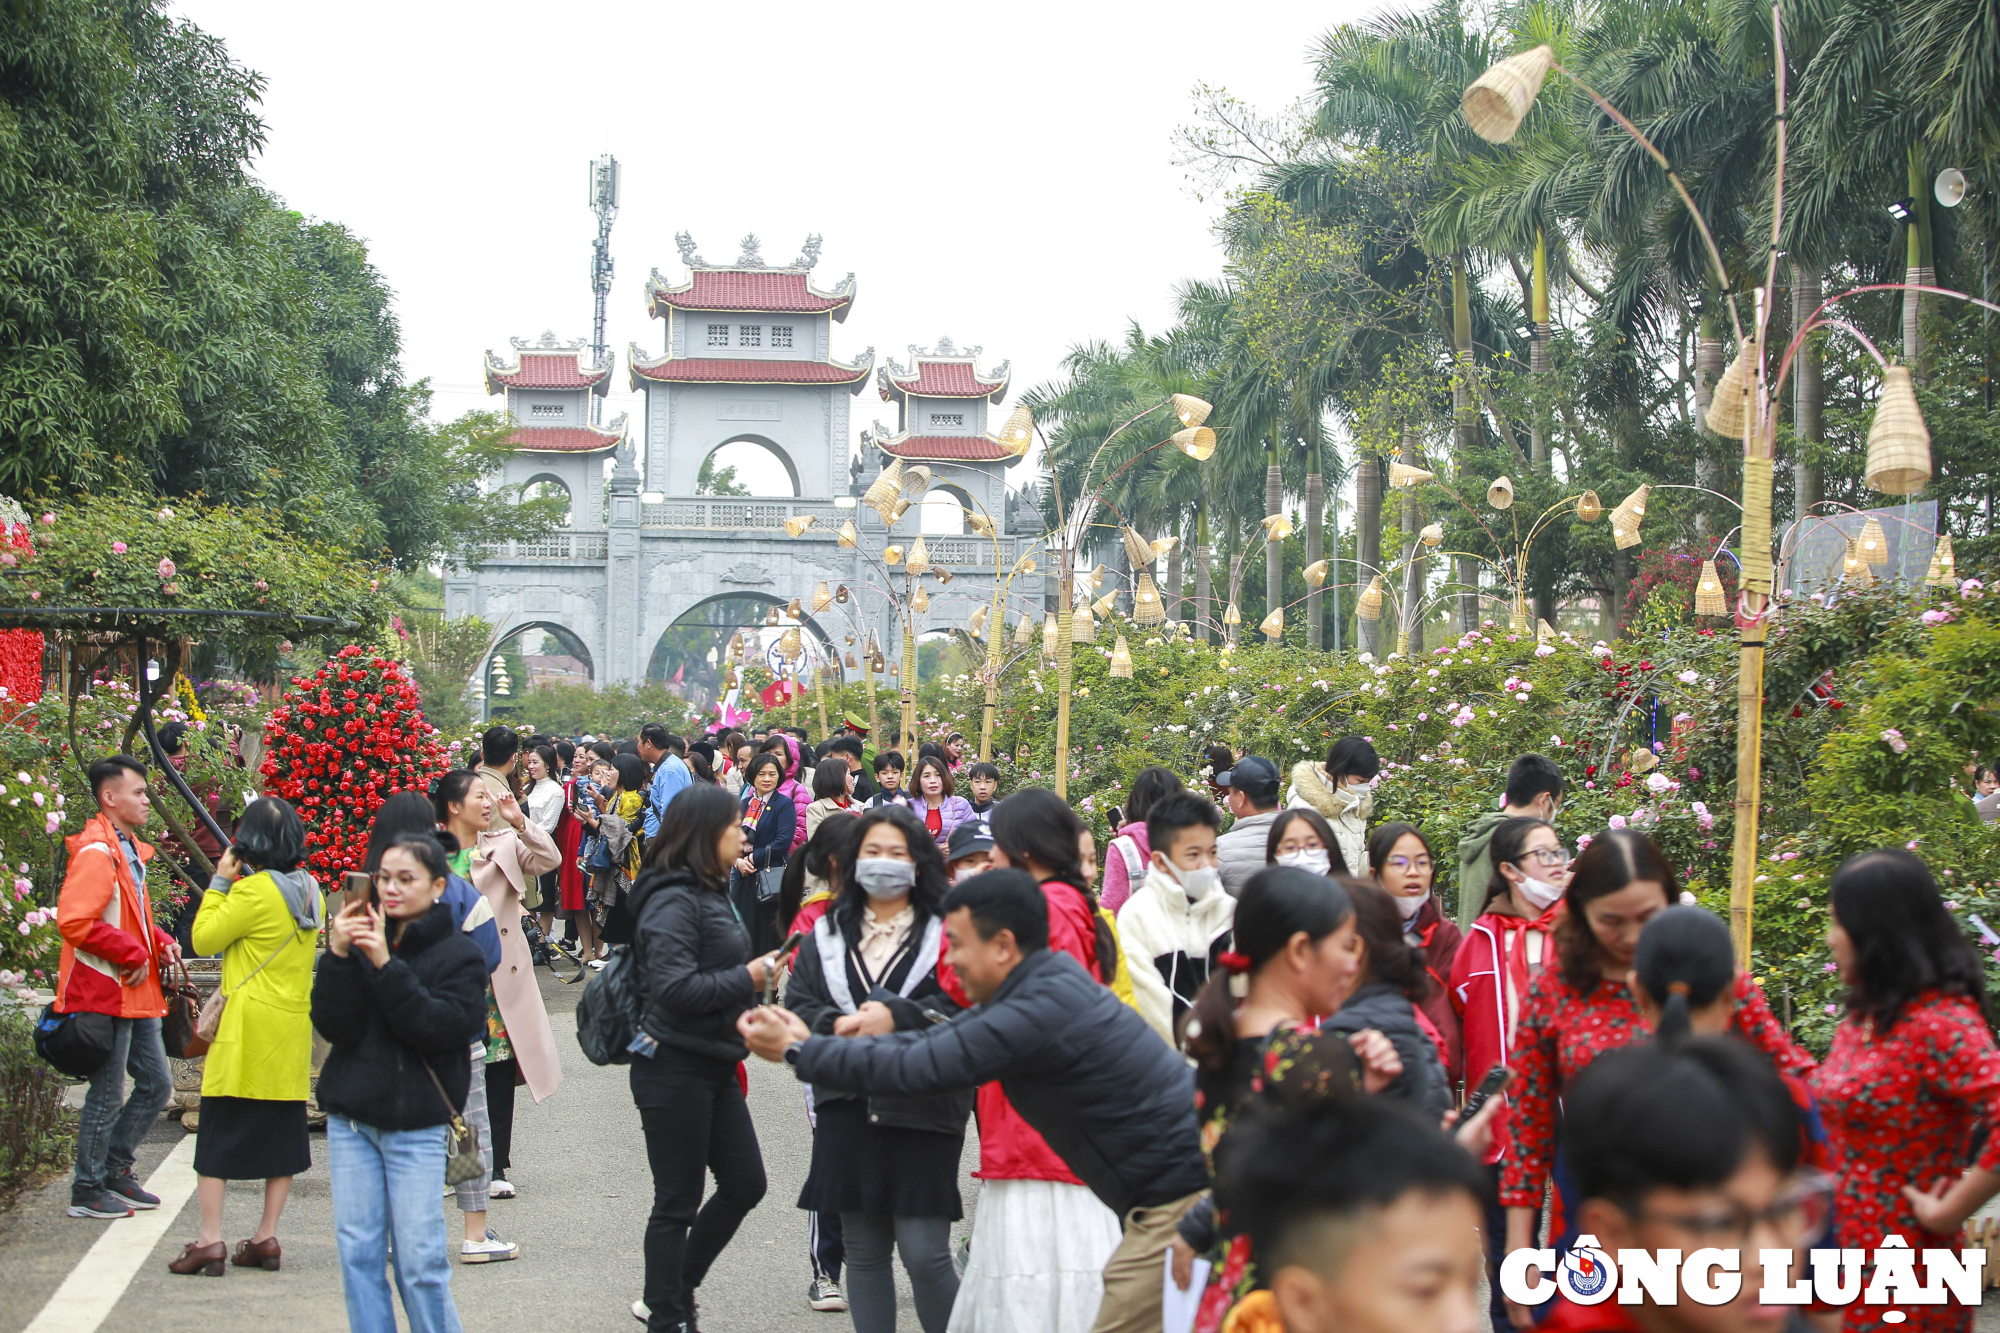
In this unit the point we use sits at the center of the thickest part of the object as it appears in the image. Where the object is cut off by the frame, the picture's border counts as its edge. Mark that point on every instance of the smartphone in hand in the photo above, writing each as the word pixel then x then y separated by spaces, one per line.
pixel 357 886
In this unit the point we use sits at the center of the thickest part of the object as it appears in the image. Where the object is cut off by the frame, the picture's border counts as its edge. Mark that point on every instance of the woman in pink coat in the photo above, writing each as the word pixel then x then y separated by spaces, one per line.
pixel 520 1044
pixel 786 747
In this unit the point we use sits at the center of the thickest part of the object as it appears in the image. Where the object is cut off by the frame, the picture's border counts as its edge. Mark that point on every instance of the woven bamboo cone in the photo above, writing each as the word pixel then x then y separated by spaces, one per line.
pixel 1899 444
pixel 1498 100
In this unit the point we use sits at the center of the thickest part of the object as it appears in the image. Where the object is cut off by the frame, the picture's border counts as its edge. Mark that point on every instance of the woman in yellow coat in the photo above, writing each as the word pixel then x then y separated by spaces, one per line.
pixel 263 914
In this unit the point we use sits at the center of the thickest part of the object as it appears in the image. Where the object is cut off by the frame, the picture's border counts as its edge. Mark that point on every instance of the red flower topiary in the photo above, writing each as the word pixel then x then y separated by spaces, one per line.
pixel 343 740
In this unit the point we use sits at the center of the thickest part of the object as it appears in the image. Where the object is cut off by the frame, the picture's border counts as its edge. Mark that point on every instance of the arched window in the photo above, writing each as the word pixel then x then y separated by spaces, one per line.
pixel 943 513
pixel 544 486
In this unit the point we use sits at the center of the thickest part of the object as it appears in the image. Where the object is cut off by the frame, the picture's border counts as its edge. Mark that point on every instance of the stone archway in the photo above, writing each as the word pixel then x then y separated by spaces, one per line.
pixel 519 651
pixel 769 446
pixel 682 647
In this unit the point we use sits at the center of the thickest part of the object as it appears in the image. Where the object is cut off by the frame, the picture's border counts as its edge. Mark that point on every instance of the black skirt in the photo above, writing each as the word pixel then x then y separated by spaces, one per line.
pixel 862 1168
pixel 248 1138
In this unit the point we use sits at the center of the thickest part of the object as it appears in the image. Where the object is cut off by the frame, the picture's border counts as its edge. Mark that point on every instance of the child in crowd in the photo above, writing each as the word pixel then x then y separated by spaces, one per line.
pixel 970 850
pixel 1176 925
pixel 984 780
pixel 888 780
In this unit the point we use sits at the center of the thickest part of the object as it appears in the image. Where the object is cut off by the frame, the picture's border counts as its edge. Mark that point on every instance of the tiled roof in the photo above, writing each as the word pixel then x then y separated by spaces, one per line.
pixel 778 292
pixel 947 448
pixel 945 379
pixel 743 370
pixel 562 439
pixel 546 370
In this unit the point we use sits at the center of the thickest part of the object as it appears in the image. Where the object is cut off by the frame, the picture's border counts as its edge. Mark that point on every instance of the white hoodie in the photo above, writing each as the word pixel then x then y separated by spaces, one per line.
pixel 1170 945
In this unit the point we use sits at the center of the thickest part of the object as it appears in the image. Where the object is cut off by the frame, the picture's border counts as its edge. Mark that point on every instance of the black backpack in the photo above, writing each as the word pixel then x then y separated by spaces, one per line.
pixel 607 1013
pixel 77 1044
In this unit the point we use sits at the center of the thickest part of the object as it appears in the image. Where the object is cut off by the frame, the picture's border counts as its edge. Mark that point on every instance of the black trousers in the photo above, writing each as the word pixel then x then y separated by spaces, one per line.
pixel 500 1078
pixel 696 1122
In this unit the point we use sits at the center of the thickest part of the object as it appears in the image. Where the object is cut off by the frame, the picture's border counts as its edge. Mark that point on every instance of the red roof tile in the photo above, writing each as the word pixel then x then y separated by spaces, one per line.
pixel 947 379
pixel 948 448
pixel 729 370
pixel 562 439
pixel 546 370
pixel 733 289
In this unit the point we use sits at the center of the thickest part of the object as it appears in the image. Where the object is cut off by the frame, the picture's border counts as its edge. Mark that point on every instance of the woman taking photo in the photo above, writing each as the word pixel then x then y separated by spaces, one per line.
pixel 933 803
pixel 1385 998
pixel 1912 1073
pixel 1128 855
pixel 392 1083
pixel 1400 860
pixel 768 821
pixel 520 1044
pixel 695 974
pixel 1580 1007
pixel 887 1165
pixel 263 915
pixel 1300 837
pixel 544 802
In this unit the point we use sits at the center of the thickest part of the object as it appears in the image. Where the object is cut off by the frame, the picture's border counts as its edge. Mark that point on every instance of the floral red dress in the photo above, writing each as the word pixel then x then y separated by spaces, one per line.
pixel 1900 1107
pixel 1560 1033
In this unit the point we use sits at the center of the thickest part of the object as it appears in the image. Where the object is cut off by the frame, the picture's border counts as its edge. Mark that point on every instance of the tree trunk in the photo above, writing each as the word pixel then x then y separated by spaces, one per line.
pixel 1709 360
pixel 1918 271
pixel 1367 545
pixel 1274 553
pixel 1409 618
pixel 1315 547
pixel 1465 437
pixel 1204 560
pixel 1172 596
pixel 1538 357
pixel 1236 561
pixel 1808 397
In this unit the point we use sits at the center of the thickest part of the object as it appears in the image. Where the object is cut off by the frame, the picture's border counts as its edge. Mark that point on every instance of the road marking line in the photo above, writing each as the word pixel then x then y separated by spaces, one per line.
pixel 97 1283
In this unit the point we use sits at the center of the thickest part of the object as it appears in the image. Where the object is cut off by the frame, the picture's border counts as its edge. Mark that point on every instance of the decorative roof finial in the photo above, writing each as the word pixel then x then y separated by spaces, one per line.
pixel 808 254
pixel 944 347
pixel 548 339
pixel 688 255
pixel 751 256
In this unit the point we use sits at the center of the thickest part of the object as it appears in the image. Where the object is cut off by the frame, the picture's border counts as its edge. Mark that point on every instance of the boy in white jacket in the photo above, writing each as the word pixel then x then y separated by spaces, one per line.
pixel 1176 924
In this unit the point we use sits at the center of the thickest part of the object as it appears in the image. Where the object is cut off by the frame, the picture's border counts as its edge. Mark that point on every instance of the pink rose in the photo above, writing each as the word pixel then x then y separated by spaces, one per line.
pixel 118 548
pixel 166 568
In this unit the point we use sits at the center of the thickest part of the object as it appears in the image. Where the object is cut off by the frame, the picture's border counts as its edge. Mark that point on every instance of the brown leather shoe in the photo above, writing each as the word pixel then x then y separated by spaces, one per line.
pixel 198 1258
pixel 262 1254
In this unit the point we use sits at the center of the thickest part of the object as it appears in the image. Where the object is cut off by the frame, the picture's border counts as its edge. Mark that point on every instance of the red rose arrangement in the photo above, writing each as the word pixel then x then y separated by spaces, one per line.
pixel 344 740
pixel 20 649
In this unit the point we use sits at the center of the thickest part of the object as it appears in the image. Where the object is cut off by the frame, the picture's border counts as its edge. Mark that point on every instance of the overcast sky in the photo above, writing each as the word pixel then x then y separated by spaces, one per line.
pixel 998 174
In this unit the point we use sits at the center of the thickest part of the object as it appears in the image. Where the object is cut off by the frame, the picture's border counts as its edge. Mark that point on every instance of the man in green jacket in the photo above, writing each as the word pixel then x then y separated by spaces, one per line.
pixel 1534 791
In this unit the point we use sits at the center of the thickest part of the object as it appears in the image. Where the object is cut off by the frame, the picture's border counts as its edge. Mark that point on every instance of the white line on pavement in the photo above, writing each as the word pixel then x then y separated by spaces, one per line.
pixel 93 1288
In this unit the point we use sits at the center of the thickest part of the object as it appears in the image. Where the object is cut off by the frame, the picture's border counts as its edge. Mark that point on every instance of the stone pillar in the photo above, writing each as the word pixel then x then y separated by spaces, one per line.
pixel 624 592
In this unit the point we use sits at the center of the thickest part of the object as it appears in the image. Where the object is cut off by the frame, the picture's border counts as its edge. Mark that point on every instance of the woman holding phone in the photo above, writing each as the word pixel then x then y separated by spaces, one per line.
pixel 390 1086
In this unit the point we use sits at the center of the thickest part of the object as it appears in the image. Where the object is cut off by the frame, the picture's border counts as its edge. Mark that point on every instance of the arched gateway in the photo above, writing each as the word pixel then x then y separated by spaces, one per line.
pixel 747 354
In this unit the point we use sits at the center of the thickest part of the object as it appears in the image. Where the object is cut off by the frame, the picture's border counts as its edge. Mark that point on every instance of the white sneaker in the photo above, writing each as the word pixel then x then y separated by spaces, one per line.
pixel 492 1250
pixel 500 1189
pixel 597 964
pixel 642 1312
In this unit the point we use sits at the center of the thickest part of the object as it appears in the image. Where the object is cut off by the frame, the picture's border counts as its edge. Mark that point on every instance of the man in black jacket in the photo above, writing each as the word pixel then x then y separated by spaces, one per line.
pixel 1113 1101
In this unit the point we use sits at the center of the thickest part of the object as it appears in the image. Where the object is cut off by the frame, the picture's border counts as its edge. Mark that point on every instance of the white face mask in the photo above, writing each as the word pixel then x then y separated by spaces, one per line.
pixel 1540 893
pixel 1407 907
pixel 1198 883
pixel 884 876
pixel 1356 800
pixel 1314 859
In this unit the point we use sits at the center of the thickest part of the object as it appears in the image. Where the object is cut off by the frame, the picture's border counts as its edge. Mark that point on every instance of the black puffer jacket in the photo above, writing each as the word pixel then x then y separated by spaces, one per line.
pixel 691 951
pixel 1382 1007
pixel 427 1004
pixel 808 995
pixel 1114 1101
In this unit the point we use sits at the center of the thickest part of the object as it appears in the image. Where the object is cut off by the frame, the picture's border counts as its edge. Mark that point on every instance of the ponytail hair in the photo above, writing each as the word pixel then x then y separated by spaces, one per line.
pixel 1278 902
pixel 1035 824
pixel 1684 960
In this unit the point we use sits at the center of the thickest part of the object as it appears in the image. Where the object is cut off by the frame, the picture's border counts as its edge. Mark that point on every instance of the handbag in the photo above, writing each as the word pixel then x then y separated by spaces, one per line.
pixel 77 1044
pixel 208 1023
pixel 770 880
pixel 179 1030
pixel 462 1163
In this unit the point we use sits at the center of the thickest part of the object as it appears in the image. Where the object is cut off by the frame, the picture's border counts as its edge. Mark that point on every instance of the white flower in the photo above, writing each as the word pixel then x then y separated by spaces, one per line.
pixel 1658 782
pixel 1545 650
pixel 1688 677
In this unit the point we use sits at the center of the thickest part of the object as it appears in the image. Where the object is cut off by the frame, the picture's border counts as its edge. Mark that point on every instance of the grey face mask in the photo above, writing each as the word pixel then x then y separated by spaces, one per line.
pixel 885 876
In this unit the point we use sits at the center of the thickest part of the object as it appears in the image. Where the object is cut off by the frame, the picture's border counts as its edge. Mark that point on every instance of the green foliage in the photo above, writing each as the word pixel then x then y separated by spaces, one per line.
pixel 37 1132
pixel 712 480
pixel 605 710
pixel 443 657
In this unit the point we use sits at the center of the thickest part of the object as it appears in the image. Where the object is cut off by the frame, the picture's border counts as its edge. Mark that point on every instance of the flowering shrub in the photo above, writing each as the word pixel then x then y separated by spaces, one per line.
pixel 342 741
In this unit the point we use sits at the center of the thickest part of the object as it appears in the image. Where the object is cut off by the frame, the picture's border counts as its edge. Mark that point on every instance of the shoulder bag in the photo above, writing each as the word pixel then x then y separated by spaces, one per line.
pixel 178 1029
pixel 208 1022
pixel 462 1161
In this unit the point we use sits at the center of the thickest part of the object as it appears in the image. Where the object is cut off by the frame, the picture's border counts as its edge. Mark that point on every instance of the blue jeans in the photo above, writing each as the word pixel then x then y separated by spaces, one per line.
pixel 109 1130
pixel 387 1187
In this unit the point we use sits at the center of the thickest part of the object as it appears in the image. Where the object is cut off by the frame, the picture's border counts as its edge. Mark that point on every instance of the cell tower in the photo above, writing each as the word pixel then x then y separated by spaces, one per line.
pixel 604 203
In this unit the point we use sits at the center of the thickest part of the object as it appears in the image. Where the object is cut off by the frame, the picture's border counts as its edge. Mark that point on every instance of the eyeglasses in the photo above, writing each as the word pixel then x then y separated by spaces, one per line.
pixel 1797 1215
pixel 1548 856
pixel 1420 864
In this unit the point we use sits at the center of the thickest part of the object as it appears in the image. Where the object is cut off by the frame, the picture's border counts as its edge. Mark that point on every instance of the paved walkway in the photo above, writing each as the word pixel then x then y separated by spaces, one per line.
pixel 580 1166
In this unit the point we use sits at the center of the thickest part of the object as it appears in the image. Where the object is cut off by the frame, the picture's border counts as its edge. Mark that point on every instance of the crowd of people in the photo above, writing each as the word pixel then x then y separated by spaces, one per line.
pixel 1238 1064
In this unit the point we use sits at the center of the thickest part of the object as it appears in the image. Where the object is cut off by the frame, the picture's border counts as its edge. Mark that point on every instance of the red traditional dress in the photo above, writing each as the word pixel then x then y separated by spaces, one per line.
pixel 1900 1107
pixel 569 838
pixel 1560 1033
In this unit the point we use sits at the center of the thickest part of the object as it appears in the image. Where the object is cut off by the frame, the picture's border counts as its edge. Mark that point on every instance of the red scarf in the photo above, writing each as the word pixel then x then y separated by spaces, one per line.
pixel 1514 945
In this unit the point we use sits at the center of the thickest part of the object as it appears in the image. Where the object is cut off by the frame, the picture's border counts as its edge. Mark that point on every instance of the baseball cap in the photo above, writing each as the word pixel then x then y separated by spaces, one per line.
pixel 968 839
pixel 1255 777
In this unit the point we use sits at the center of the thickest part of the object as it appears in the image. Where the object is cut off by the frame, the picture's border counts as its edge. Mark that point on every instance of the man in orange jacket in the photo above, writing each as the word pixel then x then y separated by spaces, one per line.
pixel 111 960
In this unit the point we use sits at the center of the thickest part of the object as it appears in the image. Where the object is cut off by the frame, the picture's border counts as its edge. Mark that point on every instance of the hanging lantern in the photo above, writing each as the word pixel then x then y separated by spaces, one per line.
pixel 1500 495
pixel 920 600
pixel 1316 574
pixel 822 597
pixel 1497 101
pixel 1729 409
pixel 1049 631
pixel 1231 616
pixel 1018 433
pixel 1082 625
pixel 1197 442
pixel 848 536
pixel 1137 549
pixel 1165 544
pixel 1874 543
pixel 883 492
pixel 1190 410
pixel 1146 606
pixel 1899 444
pixel 976 626
pixel 771 615
pixel 918 561
pixel 900 508
pixel 1625 519
pixel 790 646
pixel 1432 535
pixel 1708 598
pixel 1097 577
pixel 1121 660
pixel 794 610
pixel 1024 632
pixel 1107 605
pixel 736 643
pixel 1544 632
pixel 979 523
pixel 1369 604
pixel 895 668
pixel 892 555
pixel 1025 565
pixel 1588 507
pixel 841 595
pixel 1402 476
pixel 1273 627
pixel 1940 574
pixel 850 663
pixel 1277 527
pixel 916 481
pixel 796 525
